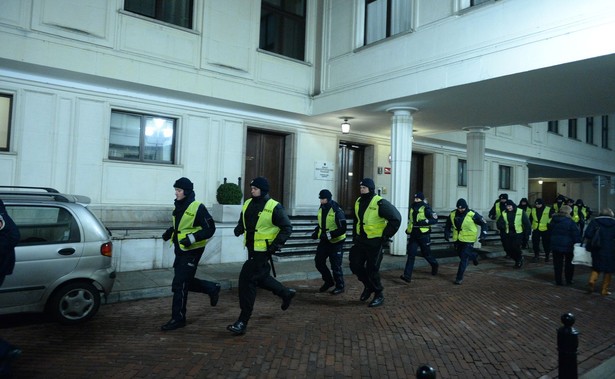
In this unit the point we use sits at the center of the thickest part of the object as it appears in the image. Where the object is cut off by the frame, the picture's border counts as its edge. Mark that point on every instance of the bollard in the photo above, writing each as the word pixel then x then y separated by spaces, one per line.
pixel 567 344
pixel 426 372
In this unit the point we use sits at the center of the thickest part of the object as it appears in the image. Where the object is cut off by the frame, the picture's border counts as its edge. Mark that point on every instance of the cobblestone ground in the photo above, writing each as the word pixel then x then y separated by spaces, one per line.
pixel 501 323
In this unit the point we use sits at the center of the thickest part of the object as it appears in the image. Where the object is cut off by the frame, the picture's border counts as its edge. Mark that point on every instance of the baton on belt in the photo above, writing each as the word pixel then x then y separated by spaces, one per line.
pixel 270 258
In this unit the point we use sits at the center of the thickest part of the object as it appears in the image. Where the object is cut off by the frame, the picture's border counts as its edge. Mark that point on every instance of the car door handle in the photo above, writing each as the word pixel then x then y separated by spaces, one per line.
pixel 67 251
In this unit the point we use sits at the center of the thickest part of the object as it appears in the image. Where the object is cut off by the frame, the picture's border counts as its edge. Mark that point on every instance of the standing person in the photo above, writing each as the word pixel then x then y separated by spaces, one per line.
pixel 514 223
pixel 540 219
pixel 331 233
pixel 464 224
pixel 496 211
pixel 525 207
pixel 564 234
pixel 585 212
pixel 9 238
pixel 603 257
pixel 420 219
pixel 266 227
pixel 559 201
pixel 376 220
pixel 577 215
pixel 192 227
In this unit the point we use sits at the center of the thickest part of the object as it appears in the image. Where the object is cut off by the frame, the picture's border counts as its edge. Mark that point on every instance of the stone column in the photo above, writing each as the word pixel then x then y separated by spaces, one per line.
pixel 475 141
pixel 401 157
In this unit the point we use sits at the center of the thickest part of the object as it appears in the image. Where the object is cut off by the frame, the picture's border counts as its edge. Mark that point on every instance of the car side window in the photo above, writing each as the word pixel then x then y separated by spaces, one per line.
pixel 44 224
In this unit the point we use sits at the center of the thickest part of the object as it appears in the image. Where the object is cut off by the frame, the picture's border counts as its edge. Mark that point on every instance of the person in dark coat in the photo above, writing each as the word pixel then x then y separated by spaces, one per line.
pixel 603 256
pixel 331 233
pixel 513 224
pixel 9 238
pixel 266 227
pixel 192 227
pixel 525 207
pixel 564 234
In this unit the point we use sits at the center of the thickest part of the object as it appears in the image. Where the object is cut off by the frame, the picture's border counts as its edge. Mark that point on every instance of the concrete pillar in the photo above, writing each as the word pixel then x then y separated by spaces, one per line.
pixel 401 158
pixel 475 141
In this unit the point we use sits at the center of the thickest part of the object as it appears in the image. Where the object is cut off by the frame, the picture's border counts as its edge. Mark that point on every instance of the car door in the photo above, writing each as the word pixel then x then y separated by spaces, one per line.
pixel 49 249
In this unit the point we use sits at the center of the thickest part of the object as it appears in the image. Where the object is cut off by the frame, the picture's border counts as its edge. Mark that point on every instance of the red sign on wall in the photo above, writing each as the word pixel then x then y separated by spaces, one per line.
pixel 387 171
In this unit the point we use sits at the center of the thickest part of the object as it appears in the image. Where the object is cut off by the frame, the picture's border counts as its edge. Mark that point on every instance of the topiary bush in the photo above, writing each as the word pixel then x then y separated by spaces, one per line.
pixel 229 193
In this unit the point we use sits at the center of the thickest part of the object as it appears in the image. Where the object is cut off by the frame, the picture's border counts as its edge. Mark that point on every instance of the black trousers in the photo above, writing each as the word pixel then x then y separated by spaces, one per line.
pixel 255 273
pixel 365 258
pixel 184 281
pixel 562 261
pixel 545 236
pixel 512 245
pixel 333 251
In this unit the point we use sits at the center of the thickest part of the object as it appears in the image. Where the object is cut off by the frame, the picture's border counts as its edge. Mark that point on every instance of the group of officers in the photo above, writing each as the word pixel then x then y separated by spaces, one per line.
pixel 265 227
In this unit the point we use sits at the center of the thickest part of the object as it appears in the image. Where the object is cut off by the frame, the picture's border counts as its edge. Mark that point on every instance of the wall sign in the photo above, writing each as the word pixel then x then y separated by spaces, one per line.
pixel 323 170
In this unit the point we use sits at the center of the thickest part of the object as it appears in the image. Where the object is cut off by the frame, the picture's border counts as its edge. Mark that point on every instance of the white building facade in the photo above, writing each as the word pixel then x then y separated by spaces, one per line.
pixel 100 100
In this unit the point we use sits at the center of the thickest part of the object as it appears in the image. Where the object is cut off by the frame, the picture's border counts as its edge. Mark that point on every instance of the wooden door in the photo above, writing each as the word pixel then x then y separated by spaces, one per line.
pixel 265 157
pixel 350 163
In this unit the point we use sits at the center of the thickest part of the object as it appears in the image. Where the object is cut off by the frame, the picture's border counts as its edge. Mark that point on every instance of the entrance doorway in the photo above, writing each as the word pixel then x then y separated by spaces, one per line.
pixel 350 161
pixel 265 157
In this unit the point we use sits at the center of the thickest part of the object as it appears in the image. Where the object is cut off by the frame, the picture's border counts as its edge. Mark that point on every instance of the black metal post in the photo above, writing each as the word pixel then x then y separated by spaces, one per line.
pixel 426 372
pixel 224 180
pixel 567 344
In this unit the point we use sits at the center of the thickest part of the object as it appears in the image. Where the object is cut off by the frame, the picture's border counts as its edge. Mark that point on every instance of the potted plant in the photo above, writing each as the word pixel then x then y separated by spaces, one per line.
pixel 229 197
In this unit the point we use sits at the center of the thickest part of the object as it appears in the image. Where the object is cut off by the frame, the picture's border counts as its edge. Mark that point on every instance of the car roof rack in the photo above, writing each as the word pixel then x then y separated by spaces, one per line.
pixel 41 192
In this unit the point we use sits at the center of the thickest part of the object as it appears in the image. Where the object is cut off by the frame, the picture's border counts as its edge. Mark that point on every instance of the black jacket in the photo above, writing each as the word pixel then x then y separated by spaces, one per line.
pixel 279 219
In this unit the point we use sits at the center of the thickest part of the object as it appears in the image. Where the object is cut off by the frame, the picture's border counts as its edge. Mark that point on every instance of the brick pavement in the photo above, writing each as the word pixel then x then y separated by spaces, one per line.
pixel 501 323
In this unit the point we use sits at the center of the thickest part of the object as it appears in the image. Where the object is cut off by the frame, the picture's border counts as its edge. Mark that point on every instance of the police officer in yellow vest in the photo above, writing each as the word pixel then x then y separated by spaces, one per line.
pixel 540 219
pixel 420 219
pixel 464 224
pixel 586 213
pixel 496 211
pixel 192 227
pixel 525 206
pixel 266 227
pixel 376 221
pixel 331 233
pixel 513 223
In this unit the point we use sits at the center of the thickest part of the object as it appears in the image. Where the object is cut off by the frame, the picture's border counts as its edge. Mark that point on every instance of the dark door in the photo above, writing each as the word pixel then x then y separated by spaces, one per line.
pixel 549 192
pixel 350 162
pixel 265 157
pixel 416 175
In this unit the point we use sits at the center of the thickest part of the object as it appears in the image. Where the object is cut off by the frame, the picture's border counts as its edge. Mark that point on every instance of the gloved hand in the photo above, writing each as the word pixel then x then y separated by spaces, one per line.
pixel 482 237
pixel 315 235
pixel 238 231
pixel 167 234
pixel 186 242
pixel 385 242
pixel 272 249
pixel 447 238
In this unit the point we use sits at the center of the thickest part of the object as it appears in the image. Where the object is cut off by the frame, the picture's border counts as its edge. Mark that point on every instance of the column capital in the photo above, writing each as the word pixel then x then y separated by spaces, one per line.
pixel 402 110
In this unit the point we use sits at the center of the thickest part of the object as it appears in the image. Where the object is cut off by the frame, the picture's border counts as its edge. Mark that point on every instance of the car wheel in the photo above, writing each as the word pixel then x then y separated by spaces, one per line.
pixel 74 303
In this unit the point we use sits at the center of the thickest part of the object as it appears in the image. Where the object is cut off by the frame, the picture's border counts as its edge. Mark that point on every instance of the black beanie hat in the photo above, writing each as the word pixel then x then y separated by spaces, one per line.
pixel 462 203
pixel 260 183
pixel 184 183
pixel 325 194
pixel 369 183
pixel 504 196
pixel 419 195
pixel 510 202
pixel 539 201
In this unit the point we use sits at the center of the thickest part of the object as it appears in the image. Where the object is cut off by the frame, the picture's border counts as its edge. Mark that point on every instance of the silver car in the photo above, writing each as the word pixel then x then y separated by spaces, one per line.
pixel 63 260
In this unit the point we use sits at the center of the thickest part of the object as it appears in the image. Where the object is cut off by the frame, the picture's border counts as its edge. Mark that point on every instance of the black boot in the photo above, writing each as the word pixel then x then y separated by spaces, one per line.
pixel 238 328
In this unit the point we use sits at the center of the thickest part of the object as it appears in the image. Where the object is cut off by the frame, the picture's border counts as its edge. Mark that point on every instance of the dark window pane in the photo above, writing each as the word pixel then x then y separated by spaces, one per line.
pixel 176 12
pixel 282 28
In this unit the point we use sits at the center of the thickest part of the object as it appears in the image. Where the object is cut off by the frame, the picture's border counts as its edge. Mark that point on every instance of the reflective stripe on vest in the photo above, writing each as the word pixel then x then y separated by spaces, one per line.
pixel 469 229
pixel 420 216
pixel 518 224
pixel 575 214
pixel 186 226
pixel 330 225
pixel 265 231
pixel 544 221
pixel 373 225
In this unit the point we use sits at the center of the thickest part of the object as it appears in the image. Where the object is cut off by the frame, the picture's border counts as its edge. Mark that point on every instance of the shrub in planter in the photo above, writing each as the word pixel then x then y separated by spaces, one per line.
pixel 229 193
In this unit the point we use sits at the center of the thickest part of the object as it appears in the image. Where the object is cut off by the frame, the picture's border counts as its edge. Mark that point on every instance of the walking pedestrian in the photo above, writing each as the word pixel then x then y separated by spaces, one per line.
pixel 540 219
pixel 464 224
pixel 496 211
pixel 9 238
pixel 525 207
pixel 513 223
pixel 331 234
pixel 266 227
pixel 585 212
pixel 192 227
pixel 564 234
pixel 420 219
pixel 603 256
pixel 376 221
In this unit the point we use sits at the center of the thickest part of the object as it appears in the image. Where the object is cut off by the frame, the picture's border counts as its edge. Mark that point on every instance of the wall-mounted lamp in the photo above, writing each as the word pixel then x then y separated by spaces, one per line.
pixel 540 181
pixel 345 126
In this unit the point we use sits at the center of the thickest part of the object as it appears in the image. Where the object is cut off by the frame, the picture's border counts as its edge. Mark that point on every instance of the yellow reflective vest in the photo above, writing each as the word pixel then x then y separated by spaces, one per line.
pixel 469 229
pixel 544 221
pixel 186 226
pixel 265 232
pixel 373 224
pixel 518 221
pixel 420 216
pixel 330 225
